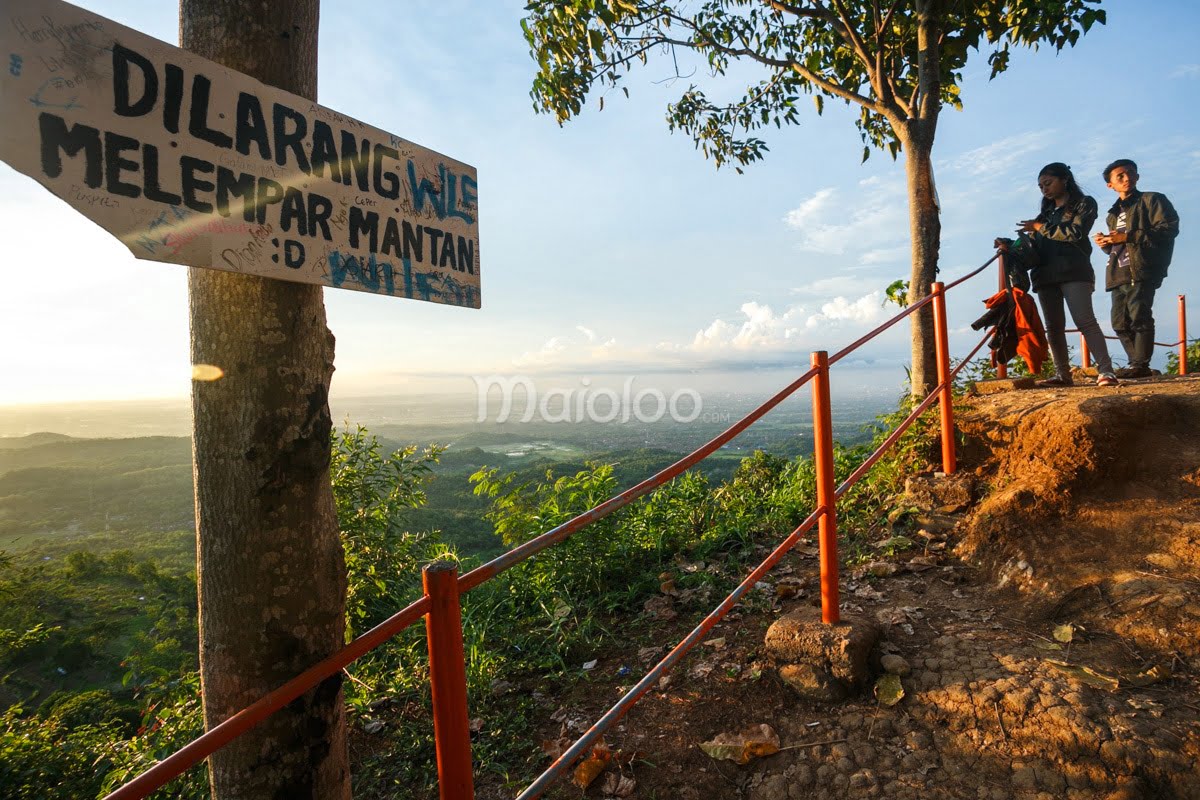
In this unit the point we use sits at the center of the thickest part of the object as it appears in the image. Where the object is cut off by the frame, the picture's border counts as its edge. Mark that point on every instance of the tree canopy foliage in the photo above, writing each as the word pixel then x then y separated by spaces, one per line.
pixel 898 61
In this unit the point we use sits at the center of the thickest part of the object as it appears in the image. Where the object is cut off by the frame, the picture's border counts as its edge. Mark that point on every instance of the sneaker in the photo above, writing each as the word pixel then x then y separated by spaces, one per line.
pixel 1107 379
pixel 1056 381
pixel 1135 372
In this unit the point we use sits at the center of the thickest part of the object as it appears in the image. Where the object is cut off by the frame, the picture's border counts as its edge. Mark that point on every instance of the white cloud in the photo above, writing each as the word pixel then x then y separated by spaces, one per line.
pixel 865 310
pixel 801 215
pixel 570 350
pixel 755 333
pixel 1186 71
pixel 1004 155
pixel 834 285
pixel 762 330
pixel 887 255
pixel 875 217
pixel 547 354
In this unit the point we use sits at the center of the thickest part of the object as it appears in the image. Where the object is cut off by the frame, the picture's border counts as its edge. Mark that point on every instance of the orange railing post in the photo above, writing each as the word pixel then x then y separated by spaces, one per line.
pixel 1085 357
pixel 448 681
pixel 823 459
pixel 941 343
pixel 1002 369
pixel 1183 365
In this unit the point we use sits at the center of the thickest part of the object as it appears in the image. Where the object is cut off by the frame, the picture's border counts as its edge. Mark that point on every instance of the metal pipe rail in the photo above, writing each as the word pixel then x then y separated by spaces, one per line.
pixel 581 745
pixel 443 586
pixel 1085 357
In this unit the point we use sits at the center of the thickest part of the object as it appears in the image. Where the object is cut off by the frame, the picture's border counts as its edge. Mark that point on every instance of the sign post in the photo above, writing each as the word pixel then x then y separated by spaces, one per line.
pixel 190 162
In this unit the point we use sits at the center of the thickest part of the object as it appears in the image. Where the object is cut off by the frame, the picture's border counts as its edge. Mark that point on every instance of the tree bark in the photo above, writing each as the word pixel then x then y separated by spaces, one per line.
pixel 926 230
pixel 272 580
pixel 923 212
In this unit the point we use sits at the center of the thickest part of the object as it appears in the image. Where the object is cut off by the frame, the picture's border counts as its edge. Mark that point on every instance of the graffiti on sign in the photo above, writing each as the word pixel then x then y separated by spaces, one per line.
pixel 189 162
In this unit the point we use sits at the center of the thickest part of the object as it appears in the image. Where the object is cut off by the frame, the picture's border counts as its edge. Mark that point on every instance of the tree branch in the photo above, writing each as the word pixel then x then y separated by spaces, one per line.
pixel 795 11
pixel 856 42
pixel 899 102
pixel 887 19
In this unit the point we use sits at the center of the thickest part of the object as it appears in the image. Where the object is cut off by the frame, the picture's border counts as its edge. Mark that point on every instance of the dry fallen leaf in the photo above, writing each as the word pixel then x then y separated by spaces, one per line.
pixel 475 725
pixel 1163 561
pixel 889 690
pixel 660 607
pixel 1150 676
pixel 1064 633
pixel 921 563
pixel 754 742
pixel 789 587
pixel 716 644
pixel 590 768
pixel 1086 675
pixel 1047 645
pixel 618 785
pixel 553 748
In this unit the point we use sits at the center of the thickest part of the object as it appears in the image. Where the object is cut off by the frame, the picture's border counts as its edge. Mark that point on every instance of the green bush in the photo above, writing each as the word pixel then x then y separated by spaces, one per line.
pixel 1193 358
pixel 96 707
pixel 45 759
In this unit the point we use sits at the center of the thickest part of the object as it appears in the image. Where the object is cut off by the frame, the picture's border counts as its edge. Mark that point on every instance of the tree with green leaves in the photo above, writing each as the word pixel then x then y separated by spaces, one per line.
pixel 899 62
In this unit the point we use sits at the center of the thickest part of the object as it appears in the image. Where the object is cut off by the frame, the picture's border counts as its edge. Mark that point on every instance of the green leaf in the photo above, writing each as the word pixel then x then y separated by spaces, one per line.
pixel 889 690
pixel 1086 675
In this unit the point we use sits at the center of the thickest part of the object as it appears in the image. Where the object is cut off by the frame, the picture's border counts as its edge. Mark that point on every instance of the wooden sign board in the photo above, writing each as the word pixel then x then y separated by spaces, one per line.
pixel 188 162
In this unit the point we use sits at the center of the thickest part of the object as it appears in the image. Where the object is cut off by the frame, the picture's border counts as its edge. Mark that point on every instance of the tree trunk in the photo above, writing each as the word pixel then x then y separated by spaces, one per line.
pixel 272 580
pixel 926 229
pixel 925 225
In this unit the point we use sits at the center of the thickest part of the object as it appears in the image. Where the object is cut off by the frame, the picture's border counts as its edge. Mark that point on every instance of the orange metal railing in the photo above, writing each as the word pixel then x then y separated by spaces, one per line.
pixel 1085 356
pixel 443 586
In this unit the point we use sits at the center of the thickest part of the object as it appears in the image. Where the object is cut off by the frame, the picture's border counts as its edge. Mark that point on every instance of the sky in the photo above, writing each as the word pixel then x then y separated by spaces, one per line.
pixel 609 246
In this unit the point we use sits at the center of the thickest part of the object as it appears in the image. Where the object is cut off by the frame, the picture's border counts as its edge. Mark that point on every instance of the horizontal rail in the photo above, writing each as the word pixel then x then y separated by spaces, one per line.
pixel 573 753
pixel 921 408
pixel 199 749
pixel 972 274
pixel 1118 338
pixel 859 342
pixel 554 535
pixel 912 309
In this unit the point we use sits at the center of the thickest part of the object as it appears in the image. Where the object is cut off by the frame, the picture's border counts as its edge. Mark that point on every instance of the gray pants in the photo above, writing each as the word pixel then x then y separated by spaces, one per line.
pixel 1078 297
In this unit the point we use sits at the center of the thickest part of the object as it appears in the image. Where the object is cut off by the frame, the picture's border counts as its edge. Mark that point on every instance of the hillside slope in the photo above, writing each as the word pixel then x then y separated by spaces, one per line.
pixel 1047 626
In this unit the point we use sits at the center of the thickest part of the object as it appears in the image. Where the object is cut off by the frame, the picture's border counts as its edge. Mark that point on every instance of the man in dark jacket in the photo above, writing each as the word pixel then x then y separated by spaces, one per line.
pixel 1142 229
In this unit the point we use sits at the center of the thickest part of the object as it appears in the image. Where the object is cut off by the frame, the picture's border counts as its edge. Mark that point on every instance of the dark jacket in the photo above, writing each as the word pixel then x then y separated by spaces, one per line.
pixel 1019 329
pixel 1151 225
pixel 1061 251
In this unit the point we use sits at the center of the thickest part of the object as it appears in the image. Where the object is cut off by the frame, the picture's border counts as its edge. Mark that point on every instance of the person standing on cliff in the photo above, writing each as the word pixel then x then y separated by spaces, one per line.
pixel 1053 247
pixel 1142 229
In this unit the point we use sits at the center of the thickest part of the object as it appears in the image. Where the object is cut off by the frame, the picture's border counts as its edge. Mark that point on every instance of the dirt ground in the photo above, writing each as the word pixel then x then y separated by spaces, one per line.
pixel 1046 627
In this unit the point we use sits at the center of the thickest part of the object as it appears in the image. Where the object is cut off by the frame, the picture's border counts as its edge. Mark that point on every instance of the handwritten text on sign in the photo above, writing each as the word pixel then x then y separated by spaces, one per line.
pixel 191 163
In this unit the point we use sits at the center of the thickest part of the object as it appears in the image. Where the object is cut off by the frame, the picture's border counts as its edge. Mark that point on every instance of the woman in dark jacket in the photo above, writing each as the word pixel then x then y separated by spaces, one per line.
pixel 1057 253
